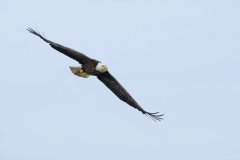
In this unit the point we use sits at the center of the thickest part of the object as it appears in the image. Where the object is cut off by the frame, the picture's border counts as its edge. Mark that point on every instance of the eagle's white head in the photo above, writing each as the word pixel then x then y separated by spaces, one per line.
pixel 101 67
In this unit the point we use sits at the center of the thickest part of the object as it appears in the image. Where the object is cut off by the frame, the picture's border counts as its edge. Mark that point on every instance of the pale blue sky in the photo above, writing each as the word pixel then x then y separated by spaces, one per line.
pixel 181 58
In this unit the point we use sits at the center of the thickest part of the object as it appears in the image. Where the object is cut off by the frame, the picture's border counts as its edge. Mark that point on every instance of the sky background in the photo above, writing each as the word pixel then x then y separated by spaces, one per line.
pixel 181 58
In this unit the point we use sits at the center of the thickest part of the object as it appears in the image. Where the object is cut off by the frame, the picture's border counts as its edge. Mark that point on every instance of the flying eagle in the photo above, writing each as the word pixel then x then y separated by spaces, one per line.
pixel 94 67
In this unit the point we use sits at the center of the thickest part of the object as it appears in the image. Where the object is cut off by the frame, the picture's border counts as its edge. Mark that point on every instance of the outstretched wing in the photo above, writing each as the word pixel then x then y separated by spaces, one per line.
pixel 122 94
pixel 80 57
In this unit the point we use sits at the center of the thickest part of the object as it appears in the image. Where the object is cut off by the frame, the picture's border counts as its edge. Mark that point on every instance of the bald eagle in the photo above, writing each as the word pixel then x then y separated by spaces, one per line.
pixel 94 67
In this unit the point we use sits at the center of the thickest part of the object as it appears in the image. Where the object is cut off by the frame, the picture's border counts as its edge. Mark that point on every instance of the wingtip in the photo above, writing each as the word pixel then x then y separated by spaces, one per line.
pixel 37 34
pixel 155 116
pixel 31 30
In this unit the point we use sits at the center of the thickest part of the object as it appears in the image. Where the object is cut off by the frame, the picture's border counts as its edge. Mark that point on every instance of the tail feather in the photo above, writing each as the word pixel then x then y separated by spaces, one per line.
pixel 38 34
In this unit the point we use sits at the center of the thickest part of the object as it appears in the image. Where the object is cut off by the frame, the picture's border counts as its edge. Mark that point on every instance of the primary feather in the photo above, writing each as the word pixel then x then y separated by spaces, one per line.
pixel 78 56
pixel 122 94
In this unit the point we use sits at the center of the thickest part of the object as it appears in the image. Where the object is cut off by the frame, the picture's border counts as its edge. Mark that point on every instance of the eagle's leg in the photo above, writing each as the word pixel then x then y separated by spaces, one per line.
pixel 78 71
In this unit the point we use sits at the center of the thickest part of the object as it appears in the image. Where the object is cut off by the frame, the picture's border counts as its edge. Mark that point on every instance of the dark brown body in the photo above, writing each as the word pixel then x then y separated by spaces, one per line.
pixel 90 68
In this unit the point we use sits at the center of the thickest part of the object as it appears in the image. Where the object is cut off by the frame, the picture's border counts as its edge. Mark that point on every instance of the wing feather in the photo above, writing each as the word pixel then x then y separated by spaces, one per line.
pixel 78 56
pixel 123 95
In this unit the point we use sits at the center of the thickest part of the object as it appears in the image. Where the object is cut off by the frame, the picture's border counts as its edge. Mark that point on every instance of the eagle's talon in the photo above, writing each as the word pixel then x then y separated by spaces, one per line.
pixel 78 71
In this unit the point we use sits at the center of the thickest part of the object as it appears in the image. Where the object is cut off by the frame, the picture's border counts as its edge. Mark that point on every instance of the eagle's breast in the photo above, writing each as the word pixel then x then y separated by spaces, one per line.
pixel 90 67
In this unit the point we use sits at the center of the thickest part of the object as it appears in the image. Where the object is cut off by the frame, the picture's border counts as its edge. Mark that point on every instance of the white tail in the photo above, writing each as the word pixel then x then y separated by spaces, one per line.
pixel 78 71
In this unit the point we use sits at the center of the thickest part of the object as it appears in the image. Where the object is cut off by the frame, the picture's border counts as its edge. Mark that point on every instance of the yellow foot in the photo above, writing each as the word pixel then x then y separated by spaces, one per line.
pixel 81 70
pixel 78 71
